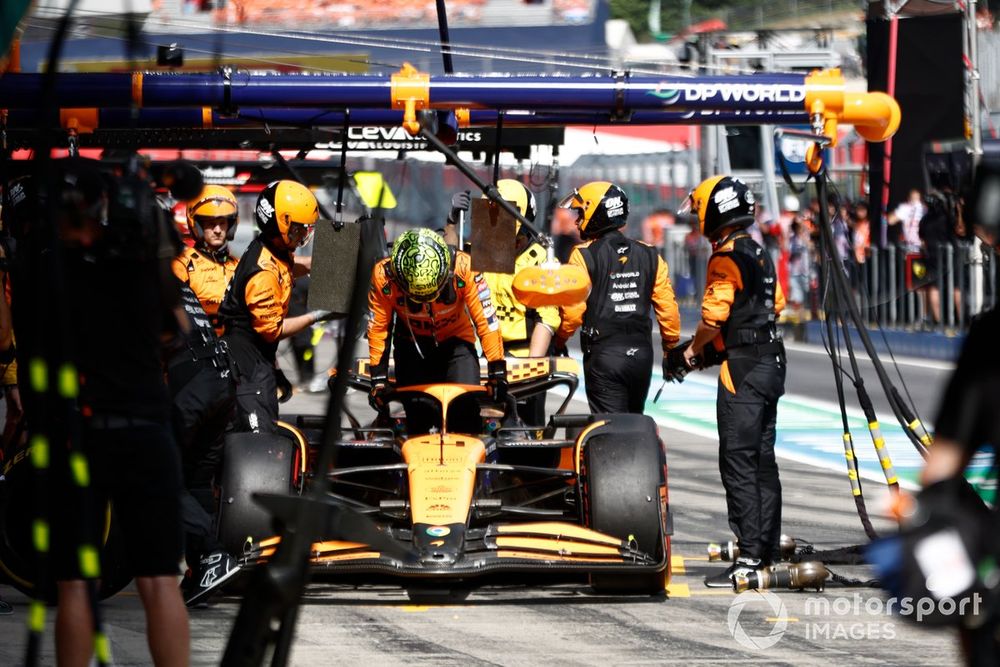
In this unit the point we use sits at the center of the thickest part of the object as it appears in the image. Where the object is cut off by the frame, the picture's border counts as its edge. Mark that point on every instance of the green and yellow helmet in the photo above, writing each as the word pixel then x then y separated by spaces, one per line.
pixel 420 263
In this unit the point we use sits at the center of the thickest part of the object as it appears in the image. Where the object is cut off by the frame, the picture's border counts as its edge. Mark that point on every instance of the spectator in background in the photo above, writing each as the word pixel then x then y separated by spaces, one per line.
pixel 564 233
pixel 654 228
pixel 908 216
pixel 841 233
pixel 941 229
pixel 773 237
pixel 861 228
pixel 698 250
pixel 799 261
pixel 756 229
pixel 789 214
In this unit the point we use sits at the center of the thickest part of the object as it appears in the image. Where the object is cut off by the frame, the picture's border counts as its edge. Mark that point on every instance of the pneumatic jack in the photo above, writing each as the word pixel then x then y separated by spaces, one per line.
pixel 730 551
pixel 794 576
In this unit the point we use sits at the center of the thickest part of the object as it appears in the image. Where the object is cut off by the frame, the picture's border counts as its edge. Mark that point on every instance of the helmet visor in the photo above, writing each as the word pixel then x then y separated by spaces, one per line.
pixel 299 234
pixel 209 221
pixel 213 206
pixel 686 208
pixel 573 202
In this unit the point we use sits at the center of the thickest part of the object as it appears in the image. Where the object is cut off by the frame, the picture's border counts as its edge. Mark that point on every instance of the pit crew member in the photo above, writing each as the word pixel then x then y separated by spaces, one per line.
pixel 527 332
pixel 739 310
pixel 628 279
pixel 208 266
pixel 255 307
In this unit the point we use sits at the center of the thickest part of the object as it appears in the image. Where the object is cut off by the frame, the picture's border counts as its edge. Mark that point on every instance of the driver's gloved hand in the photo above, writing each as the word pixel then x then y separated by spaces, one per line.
pixel 460 202
pixel 377 394
pixel 496 379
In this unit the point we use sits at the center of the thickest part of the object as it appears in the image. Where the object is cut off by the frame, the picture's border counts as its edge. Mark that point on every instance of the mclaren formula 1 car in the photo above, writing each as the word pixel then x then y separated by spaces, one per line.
pixel 507 500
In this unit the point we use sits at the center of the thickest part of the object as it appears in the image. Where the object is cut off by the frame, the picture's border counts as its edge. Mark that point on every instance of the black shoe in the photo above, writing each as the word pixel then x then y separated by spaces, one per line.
pixel 742 567
pixel 213 570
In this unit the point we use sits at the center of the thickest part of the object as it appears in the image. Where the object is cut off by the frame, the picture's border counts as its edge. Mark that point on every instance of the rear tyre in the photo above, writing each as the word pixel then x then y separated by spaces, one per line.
pixel 17 553
pixel 623 470
pixel 252 463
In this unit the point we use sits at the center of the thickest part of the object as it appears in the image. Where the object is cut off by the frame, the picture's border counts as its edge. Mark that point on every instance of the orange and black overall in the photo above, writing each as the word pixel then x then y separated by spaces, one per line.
pixel 628 278
pixel 742 299
pixel 253 314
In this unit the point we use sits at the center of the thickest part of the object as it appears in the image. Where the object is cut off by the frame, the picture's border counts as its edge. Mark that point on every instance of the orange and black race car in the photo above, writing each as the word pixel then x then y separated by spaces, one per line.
pixel 508 500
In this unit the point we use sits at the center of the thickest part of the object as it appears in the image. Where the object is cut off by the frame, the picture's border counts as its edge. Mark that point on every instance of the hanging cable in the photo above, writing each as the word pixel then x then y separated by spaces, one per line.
pixel 905 412
pixel 869 411
pixel 106 34
pixel 840 285
pixel 849 454
pixel 508 54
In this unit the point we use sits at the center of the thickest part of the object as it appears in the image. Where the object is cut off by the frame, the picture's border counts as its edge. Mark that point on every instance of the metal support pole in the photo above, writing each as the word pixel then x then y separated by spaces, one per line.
pixel 442 16
pixel 891 273
pixel 993 281
pixel 873 286
pixel 975 109
pixel 949 284
pixel 767 165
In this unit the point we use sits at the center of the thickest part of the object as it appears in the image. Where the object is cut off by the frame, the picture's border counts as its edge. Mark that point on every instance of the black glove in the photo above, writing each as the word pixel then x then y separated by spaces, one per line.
pixel 460 202
pixel 674 366
pixel 378 392
pixel 496 379
pixel 284 386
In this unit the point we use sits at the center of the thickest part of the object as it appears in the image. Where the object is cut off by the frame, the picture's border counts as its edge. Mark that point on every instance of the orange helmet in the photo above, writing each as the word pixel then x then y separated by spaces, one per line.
pixel 287 210
pixel 214 202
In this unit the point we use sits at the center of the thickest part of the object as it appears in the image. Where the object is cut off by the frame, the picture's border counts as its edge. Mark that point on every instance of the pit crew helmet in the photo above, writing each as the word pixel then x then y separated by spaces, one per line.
pixel 600 207
pixel 518 195
pixel 720 202
pixel 214 201
pixel 420 263
pixel 287 210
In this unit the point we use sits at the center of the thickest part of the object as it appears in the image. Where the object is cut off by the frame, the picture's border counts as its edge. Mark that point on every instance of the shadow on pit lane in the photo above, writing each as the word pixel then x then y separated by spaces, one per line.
pixel 336 594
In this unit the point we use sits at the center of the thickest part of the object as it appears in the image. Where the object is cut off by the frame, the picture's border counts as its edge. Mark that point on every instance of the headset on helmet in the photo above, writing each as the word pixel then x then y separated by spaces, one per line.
pixel 518 195
pixel 287 210
pixel 720 202
pixel 420 263
pixel 214 202
pixel 600 207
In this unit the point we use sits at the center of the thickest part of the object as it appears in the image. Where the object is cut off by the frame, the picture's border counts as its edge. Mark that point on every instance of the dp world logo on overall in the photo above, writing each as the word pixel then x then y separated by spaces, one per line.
pixel 750 612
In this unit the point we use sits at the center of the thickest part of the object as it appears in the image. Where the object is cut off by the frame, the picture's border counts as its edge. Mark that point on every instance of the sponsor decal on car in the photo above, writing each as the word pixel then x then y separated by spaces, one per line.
pixel 438 531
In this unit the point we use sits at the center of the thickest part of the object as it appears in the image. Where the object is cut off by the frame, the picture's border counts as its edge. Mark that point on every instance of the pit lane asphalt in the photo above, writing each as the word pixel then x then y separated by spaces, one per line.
pixel 566 625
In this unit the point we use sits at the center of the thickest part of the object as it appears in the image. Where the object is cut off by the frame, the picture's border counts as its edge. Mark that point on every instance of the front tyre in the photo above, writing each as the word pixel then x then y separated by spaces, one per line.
pixel 624 494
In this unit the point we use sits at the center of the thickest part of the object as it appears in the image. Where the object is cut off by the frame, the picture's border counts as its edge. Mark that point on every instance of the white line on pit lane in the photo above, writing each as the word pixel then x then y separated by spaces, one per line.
pixel 807 348
pixel 784 453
